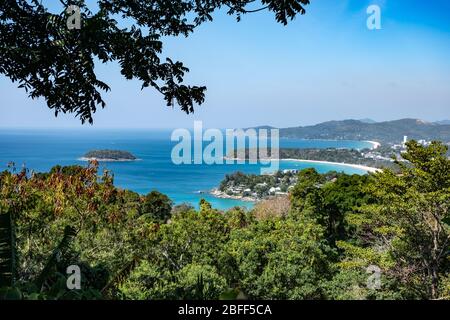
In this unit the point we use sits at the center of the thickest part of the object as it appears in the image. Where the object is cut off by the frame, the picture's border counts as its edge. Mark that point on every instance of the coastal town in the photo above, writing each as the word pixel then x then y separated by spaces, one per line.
pixel 250 187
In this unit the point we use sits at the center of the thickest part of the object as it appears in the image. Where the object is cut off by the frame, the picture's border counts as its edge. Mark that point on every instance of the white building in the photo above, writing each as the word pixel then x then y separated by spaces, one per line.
pixel 274 190
pixel 405 140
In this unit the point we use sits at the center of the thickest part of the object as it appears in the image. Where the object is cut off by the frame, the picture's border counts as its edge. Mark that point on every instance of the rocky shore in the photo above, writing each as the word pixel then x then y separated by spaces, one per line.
pixel 220 194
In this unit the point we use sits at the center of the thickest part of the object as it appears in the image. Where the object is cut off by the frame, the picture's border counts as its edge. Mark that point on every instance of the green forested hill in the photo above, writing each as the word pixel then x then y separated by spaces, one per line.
pixel 387 132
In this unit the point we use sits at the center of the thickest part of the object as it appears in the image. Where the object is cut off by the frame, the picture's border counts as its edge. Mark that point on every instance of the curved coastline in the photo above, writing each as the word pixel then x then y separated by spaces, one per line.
pixel 219 194
pixel 375 144
pixel 356 166
pixel 215 192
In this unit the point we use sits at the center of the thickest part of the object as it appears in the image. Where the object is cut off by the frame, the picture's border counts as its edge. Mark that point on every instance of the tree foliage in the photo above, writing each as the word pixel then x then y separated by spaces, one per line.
pixel 406 230
pixel 157 207
pixel 337 229
pixel 50 61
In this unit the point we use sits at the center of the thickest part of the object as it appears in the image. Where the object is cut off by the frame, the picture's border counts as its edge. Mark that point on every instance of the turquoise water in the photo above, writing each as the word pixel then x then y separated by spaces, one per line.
pixel 39 150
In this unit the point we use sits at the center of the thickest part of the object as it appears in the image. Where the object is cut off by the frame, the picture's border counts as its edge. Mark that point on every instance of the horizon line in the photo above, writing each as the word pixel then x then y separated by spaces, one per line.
pixel 93 127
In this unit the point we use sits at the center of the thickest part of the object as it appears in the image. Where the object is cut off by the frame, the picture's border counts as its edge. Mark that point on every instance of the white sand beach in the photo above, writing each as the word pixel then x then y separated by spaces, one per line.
pixel 375 145
pixel 356 166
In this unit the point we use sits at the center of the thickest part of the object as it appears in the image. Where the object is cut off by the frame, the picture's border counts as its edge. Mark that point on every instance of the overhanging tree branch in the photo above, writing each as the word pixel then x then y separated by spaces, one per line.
pixel 52 62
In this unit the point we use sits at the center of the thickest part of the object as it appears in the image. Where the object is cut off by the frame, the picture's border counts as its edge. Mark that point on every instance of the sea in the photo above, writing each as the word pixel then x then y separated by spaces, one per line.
pixel 41 149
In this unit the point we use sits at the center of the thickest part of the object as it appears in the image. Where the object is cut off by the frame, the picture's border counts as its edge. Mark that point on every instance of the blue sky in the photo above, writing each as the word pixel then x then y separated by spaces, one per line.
pixel 323 66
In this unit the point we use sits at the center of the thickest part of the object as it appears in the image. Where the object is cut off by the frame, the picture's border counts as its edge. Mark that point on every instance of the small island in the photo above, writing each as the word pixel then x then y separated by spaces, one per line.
pixel 108 155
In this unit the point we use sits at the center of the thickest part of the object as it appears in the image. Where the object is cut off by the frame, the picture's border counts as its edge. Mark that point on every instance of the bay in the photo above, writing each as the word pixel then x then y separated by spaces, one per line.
pixel 40 150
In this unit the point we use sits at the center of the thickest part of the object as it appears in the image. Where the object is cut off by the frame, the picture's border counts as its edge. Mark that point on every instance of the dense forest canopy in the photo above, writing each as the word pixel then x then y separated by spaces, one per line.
pixel 51 61
pixel 320 243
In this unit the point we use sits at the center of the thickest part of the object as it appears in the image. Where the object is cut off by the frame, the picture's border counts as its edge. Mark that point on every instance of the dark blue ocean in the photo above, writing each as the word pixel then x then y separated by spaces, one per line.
pixel 39 150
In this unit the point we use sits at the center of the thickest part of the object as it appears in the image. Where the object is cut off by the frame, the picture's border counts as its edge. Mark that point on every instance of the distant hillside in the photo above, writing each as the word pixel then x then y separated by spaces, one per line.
pixel 385 132
pixel 367 120
pixel 443 122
